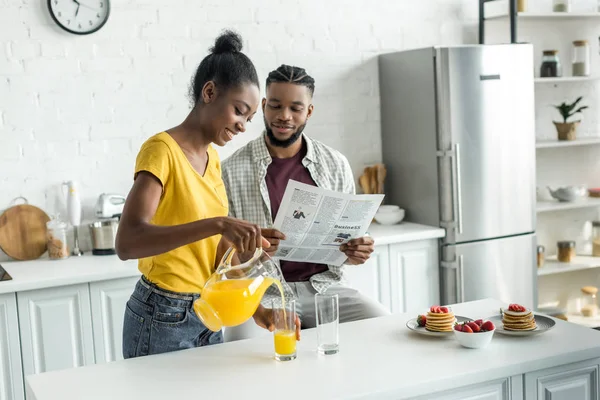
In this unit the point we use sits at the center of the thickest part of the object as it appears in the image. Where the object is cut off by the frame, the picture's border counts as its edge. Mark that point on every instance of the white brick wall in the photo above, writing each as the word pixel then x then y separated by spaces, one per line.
pixel 78 107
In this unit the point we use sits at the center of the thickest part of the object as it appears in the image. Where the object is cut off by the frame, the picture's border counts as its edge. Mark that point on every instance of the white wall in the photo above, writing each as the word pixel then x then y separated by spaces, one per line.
pixel 78 108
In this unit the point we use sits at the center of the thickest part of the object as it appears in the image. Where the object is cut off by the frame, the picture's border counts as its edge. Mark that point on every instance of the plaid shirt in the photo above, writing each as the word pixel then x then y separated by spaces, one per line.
pixel 244 176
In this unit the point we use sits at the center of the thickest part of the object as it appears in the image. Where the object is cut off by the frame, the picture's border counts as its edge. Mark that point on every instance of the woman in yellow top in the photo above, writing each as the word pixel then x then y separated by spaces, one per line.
pixel 176 213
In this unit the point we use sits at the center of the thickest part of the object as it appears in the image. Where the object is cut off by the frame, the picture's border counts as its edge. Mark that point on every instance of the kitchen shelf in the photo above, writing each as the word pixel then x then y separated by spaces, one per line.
pixel 546 144
pixel 548 206
pixel 590 322
pixel 546 15
pixel 567 79
pixel 579 263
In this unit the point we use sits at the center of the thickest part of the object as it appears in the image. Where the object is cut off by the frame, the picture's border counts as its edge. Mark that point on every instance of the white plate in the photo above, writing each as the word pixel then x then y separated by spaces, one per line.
pixel 543 324
pixel 414 326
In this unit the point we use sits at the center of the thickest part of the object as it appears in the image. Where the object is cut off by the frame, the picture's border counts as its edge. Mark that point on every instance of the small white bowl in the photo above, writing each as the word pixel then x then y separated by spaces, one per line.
pixel 475 340
pixel 387 208
pixel 389 217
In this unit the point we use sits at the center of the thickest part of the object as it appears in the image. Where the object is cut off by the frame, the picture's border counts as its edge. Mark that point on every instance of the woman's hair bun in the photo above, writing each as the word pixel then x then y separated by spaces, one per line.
pixel 227 42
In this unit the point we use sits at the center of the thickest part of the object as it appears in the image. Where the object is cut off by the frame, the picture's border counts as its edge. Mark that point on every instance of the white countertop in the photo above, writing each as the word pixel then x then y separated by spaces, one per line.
pixel 43 273
pixel 379 358
pixel 403 232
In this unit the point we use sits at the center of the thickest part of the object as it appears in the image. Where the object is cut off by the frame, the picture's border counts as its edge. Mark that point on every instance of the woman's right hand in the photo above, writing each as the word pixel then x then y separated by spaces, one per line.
pixel 244 236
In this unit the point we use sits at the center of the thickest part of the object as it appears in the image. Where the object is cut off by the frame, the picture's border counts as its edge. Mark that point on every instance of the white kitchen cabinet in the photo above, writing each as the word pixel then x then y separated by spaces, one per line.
pixel 371 278
pixel 510 388
pixel 568 382
pixel 56 328
pixel 108 300
pixel 11 371
pixel 414 276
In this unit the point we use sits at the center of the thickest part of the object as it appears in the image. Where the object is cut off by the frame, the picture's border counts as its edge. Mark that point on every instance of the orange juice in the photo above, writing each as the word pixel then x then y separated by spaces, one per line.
pixel 285 342
pixel 233 301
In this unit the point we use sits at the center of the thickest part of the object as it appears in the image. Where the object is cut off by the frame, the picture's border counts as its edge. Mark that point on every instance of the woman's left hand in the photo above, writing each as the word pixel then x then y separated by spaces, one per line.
pixel 264 318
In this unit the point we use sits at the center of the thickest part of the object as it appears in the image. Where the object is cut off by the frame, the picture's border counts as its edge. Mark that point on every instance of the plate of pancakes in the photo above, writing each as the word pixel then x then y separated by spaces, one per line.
pixel 438 321
pixel 517 320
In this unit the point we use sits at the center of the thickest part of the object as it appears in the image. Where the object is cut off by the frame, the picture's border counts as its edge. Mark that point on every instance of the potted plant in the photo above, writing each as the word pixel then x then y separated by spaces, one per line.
pixel 567 130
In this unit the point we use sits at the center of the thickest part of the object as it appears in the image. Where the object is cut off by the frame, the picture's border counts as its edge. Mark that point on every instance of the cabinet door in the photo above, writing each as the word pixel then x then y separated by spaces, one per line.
pixel 11 371
pixel 567 382
pixel 56 328
pixel 372 278
pixel 414 276
pixel 510 388
pixel 108 307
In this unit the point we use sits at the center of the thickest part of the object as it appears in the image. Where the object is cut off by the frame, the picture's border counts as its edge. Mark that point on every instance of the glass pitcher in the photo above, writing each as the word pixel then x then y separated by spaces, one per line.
pixel 232 294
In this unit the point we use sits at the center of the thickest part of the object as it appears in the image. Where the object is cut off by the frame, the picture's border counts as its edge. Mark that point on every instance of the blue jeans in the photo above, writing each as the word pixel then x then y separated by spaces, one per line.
pixel 159 321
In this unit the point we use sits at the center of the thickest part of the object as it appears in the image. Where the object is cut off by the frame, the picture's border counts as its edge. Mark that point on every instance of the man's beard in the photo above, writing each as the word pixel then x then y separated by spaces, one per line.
pixel 283 143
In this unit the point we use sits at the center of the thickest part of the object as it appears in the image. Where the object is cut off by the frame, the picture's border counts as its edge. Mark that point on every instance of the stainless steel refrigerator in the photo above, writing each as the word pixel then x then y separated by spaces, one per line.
pixel 458 140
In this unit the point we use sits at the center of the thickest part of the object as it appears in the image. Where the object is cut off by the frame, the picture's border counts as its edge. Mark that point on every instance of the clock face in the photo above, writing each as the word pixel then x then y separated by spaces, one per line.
pixel 80 17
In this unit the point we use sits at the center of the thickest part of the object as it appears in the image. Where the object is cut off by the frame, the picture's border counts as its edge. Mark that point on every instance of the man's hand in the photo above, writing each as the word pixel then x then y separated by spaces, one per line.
pixel 264 318
pixel 358 250
pixel 273 236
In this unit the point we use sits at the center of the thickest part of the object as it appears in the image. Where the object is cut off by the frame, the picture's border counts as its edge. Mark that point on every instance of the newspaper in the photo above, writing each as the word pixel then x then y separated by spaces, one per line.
pixel 316 222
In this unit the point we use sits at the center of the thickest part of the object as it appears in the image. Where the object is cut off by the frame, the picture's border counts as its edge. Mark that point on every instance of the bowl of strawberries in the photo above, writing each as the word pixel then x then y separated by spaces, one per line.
pixel 474 334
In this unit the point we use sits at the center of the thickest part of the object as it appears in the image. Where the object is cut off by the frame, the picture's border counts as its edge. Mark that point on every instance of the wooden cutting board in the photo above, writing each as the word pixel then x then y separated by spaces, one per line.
pixel 23 232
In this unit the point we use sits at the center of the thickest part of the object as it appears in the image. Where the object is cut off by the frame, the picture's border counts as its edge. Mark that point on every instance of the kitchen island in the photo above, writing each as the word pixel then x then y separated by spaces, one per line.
pixel 379 358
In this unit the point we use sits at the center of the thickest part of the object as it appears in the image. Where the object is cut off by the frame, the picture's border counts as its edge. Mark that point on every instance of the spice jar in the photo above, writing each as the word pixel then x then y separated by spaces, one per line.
pixel 540 256
pixel 561 6
pixel 521 5
pixel 566 251
pixel 550 67
pixel 57 240
pixel 596 238
pixel 581 58
pixel 589 305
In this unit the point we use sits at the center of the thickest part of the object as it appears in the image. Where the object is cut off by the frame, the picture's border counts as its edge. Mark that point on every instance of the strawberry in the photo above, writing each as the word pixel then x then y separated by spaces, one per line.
pixel 479 322
pixel 421 320
pixel 444 310
pixel 432 309
pixel 458 327
pixel 516 308
pixel 467 329
pixel 473 326
pixel 488 326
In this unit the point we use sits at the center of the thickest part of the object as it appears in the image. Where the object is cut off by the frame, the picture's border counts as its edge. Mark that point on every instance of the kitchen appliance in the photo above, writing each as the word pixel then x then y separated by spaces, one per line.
pixel 109 208
pixel 74 213
pixel 109 205
pixel 458 140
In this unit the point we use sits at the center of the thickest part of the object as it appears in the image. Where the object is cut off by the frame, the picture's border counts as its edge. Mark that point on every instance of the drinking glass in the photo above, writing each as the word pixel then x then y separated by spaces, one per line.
pixel 328 320
pixel 284 319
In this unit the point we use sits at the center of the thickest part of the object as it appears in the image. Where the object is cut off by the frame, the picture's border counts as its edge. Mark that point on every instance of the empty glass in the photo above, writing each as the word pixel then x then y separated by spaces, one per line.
pixel 284 336
pixel 328 320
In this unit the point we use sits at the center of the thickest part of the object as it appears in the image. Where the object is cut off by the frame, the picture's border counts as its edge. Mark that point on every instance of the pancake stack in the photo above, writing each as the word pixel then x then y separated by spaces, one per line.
pixel 440 321
pixel 518 321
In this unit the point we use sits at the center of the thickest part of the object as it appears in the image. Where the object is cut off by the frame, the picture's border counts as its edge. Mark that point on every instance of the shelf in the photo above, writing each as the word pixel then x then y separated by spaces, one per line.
pixel 579 263
pixel 590 322
pixel 547 206
pixel 546 144
pixel 567 79
pixel 499 10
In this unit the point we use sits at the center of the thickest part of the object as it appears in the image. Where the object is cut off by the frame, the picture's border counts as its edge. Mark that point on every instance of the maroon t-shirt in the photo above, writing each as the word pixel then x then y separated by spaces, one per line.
pixel 279 173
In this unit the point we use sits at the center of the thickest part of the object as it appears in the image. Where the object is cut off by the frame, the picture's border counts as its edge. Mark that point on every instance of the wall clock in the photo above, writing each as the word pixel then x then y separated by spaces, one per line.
pixel 80 17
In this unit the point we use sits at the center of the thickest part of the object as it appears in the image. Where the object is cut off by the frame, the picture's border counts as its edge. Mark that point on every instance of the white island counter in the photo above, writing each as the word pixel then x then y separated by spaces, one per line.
pixel 378 358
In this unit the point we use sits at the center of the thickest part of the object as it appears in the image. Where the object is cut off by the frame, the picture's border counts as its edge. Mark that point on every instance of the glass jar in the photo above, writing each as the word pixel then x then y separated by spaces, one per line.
pixel 540 256
pixel 550 67
pixel 561 6
pixel 522 5
pixel 589 305
pixel 56 240
pixel 566 251
pixel 581 58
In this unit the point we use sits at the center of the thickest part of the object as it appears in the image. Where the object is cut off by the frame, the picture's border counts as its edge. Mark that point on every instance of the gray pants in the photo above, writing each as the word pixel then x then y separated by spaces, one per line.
pixel 353 307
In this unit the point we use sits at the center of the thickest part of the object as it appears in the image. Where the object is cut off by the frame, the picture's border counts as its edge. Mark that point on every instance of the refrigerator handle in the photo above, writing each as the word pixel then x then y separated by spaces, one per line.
pixel 460 281
pixel 458 188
